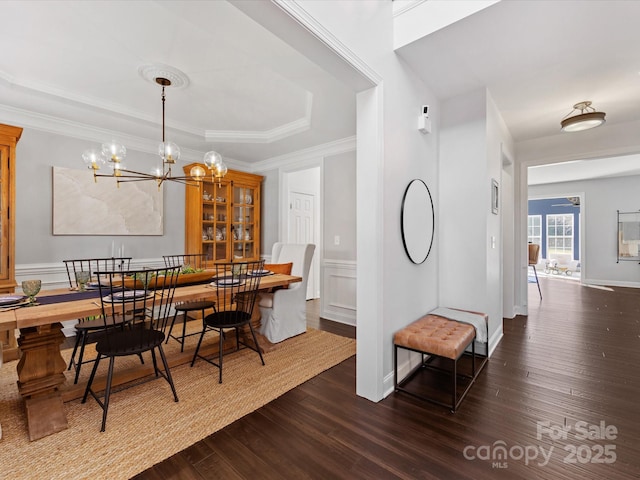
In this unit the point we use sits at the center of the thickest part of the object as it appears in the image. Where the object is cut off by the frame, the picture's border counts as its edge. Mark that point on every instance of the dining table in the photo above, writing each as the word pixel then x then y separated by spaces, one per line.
pixel 41 380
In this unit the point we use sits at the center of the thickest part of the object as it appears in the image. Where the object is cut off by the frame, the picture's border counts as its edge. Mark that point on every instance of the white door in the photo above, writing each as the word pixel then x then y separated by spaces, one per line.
pixel 301 218
pixel 301 228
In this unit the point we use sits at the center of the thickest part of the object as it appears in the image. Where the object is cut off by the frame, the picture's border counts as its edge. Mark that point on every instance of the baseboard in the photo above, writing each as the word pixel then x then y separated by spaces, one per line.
pixel 495 339
pixel 521 310
pixel 610 283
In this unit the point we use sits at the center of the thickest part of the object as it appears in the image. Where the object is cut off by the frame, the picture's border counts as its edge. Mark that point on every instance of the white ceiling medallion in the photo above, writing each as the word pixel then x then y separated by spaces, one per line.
pixel 151 71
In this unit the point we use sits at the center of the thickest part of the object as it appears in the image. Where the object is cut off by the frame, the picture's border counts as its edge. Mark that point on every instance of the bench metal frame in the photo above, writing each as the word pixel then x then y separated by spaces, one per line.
pixel 426 363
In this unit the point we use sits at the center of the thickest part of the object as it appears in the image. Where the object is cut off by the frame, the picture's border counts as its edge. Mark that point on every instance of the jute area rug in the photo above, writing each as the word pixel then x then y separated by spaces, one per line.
pixel 145 425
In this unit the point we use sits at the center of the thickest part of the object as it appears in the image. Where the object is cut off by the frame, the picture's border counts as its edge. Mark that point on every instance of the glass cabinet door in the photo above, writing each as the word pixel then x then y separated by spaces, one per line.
pixel 244 223
pixel 215 200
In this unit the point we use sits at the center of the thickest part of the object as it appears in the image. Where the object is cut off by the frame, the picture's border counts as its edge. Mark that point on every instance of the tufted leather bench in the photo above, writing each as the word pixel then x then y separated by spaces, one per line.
pixel 437 337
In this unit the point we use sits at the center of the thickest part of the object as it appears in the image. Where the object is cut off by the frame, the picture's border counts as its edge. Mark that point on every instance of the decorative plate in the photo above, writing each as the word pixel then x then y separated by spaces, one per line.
pixel 131 295
pixel 259 273
pixel 228 282
pixel 11 299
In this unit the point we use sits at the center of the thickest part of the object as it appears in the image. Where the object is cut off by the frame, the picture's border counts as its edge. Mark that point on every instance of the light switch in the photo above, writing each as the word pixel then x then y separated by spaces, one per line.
pixel 336 240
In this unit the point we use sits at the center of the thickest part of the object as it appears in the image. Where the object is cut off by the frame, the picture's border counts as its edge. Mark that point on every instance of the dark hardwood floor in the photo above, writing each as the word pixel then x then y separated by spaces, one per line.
pixel 568 369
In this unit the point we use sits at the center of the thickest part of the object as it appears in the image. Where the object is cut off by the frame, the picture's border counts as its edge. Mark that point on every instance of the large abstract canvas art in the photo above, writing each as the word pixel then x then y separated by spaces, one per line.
pixel 84 207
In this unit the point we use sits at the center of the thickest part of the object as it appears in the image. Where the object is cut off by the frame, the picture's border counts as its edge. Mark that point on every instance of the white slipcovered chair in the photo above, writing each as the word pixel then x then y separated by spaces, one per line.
pixel 284 312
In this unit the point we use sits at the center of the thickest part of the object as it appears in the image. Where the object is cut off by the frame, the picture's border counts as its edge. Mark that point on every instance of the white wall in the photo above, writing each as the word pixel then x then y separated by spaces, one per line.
pixel 418 19
pixel 472 147
pixel 36 154
pixel 602 198
pixel 339 196
pixel 270 210
pixel 338 300
pixel 500 242
pixel 464 202
pixel 395 291
pixel 509 259
pixel 336 265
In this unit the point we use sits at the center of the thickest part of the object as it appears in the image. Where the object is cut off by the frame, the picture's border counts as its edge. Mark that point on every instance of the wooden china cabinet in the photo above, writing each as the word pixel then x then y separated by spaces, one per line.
pixel 222 219
pixel 9 137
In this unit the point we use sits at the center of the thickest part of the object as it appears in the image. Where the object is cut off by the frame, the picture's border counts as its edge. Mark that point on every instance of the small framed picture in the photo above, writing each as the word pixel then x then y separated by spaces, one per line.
pixel 495 196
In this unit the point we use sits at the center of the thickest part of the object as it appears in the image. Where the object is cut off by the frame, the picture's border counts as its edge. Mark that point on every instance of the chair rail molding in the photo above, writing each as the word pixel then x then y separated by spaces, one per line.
pixel 338 299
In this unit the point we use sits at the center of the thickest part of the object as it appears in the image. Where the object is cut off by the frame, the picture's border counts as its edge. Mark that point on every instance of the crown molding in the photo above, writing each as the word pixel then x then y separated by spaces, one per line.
pixel 68 98
pixel 325 150
pixel 67 128
pixel 295 10
pixel 65 96
pixel 58 126
pixel 268 136
pixel 229 136
pixel 403 7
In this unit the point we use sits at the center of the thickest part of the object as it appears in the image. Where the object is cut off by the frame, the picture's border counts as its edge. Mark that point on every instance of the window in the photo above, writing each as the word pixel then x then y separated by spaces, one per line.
pixel 534 229
pixel 560 235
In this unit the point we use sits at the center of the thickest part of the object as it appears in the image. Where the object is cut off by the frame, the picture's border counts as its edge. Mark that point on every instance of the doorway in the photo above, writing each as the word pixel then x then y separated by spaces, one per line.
pixel 555 223
pixel 301 190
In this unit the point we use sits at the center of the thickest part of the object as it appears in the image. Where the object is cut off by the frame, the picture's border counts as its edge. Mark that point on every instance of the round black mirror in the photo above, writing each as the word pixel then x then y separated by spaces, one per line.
pixel 417 221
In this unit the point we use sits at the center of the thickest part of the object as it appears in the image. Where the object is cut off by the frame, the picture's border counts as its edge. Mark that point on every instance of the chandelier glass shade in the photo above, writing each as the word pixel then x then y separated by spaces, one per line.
pixel 112 154
pixel 213 161
pixel 586 119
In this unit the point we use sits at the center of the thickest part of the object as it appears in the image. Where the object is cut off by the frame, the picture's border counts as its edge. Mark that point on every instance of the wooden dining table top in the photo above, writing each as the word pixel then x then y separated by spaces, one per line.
pixel 50 313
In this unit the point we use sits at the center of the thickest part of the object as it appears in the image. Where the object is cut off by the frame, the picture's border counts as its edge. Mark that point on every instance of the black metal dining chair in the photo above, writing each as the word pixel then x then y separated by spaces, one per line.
pixel 187 262
pixel 141 299
pixel 235 294
pixel 86 327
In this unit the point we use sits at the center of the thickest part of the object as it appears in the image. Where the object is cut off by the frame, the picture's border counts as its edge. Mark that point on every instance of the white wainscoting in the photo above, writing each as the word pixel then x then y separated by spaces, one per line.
pixel 338 298
pixel 54 275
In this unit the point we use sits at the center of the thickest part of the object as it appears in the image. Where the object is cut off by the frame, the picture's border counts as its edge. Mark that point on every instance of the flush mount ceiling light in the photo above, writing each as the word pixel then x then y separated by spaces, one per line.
pixel 586 119
pixel 112 154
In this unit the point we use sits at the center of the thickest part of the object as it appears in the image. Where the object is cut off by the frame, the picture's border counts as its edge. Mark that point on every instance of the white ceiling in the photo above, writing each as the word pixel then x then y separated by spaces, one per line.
pixel 539 58
pixel 249 96
pixel 584 170
pixel 252 97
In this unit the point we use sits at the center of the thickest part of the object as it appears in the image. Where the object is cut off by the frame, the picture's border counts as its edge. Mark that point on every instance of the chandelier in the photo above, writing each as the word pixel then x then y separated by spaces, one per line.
pixel 113 153
pixel 586 119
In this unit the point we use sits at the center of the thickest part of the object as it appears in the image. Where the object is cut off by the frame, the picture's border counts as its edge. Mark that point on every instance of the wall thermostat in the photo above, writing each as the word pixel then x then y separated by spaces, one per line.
pixel 424 123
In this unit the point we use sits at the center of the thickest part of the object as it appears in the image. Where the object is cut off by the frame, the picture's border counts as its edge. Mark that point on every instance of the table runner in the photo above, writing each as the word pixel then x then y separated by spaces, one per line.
pixel 68 297
pixel 94 293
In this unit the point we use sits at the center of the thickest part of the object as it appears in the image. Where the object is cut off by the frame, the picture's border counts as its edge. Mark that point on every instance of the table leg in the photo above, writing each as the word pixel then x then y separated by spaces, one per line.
pixel 9 345
pixel 40 375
